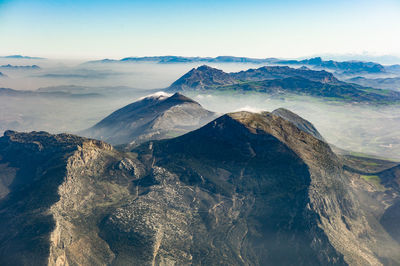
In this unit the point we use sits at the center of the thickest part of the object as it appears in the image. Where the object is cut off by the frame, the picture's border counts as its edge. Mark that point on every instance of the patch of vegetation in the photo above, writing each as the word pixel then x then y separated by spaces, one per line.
pixel 373 179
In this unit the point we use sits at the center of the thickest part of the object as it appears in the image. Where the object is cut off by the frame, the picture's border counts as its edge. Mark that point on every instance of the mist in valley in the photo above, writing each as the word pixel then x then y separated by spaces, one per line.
pixel 100 88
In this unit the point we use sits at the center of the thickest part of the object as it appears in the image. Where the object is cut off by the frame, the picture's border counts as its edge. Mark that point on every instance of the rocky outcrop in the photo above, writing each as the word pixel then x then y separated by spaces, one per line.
pixel 35 165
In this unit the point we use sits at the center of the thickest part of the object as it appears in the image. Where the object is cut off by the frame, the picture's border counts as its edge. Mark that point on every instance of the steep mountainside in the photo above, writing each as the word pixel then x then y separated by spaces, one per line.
pixel 299 122
pixel 153 117
pixel 281 81
pixel 245 189
pixel 33 169
pixel 385 186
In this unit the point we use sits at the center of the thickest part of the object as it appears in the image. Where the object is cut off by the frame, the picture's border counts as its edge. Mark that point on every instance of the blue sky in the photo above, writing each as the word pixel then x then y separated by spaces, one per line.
pixel 114 29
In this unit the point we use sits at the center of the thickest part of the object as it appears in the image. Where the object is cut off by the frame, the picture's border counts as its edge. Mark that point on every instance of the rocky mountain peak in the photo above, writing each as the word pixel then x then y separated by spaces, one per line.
pixel 294 131
pixel 202 78
pixel 153 117
pixel 178 98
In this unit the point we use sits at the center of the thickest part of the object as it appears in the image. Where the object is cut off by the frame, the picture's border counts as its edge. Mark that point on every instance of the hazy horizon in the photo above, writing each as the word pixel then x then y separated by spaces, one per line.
pixel 384 59
pixel 290 29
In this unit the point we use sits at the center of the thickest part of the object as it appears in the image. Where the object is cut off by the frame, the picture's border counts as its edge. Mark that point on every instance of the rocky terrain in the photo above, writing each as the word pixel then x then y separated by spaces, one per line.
pixel 245 189
pixel 157 116
pixel 280 81
pixel 299 122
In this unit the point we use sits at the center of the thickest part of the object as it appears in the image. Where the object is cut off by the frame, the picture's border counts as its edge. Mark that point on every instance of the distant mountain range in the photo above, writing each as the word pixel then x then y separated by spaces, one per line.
pixel 157 116
pixel 8 66
pixel 380 83
pixel 183 59
pixel 20 57
pixel 38 93
pixel 347 67
pixel 244 189
pixel 344 67
pixel 280 81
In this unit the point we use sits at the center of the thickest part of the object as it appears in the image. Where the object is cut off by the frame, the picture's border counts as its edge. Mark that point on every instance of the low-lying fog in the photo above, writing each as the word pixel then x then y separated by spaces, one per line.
pixel 360 128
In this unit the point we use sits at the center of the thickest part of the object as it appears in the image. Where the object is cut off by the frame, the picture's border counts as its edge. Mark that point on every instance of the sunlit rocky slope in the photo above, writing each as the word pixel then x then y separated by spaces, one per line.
pixel 245 189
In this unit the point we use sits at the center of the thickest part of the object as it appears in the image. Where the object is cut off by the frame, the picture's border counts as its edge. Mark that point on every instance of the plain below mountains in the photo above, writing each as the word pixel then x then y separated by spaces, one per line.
pixel 157 116
pixel 278 80
pixel 74 91
pixel 245 189
pixel 42 93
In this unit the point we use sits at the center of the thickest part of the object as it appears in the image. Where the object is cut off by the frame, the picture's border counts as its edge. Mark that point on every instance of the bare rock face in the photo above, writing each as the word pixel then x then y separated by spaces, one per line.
pixel 158 116
pixel 35 165
pixel 245 189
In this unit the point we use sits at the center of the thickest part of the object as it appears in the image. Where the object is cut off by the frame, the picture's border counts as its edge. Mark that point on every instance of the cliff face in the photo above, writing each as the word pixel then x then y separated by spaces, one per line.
pixel 33 167
pixel 246 189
